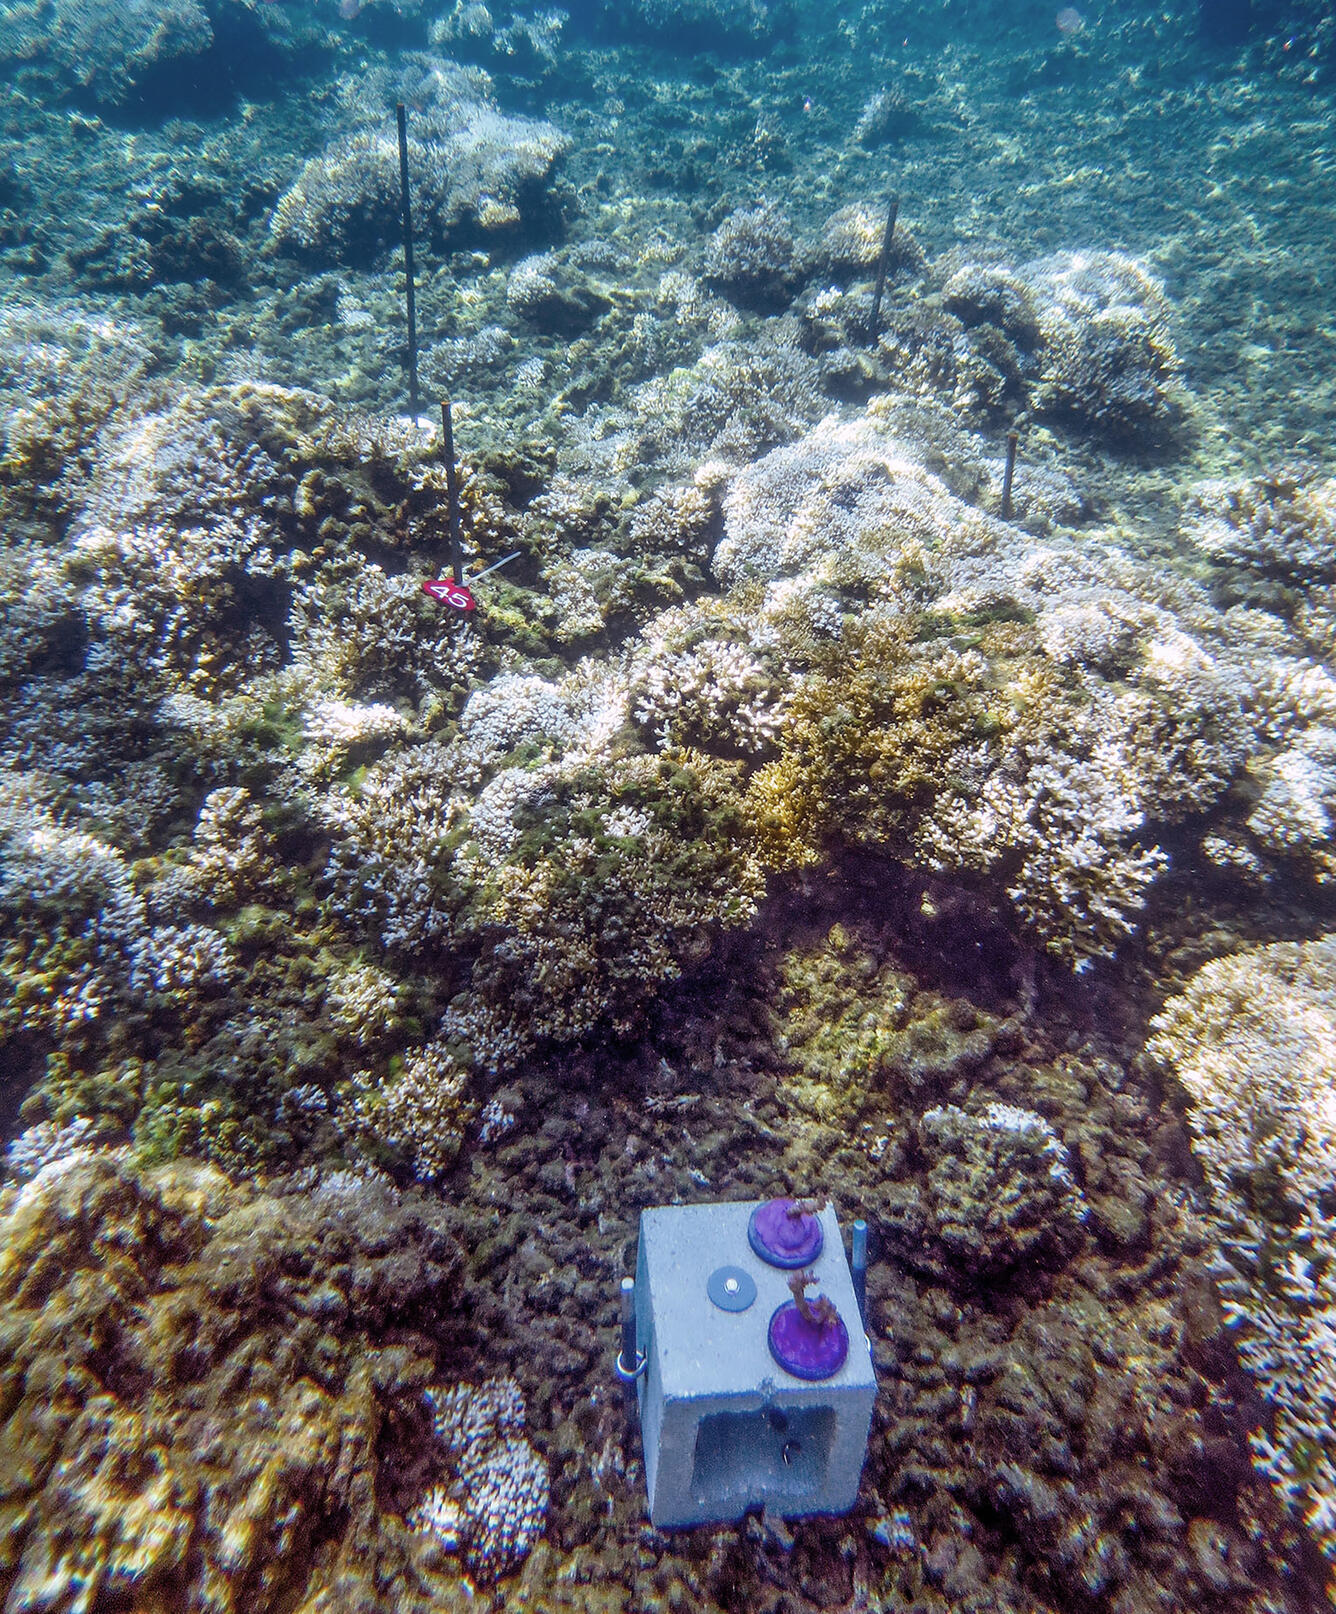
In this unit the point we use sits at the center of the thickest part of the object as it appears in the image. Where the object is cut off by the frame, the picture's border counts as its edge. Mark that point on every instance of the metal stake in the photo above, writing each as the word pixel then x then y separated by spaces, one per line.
pixel 891 212
pixel 401 117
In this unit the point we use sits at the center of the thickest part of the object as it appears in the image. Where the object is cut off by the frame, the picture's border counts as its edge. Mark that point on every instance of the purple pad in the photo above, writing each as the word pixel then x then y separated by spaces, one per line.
pixel 807 1350
pixel 784 1240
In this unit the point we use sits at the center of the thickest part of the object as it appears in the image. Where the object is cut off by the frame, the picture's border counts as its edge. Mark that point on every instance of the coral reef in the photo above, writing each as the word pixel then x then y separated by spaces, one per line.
pixel 716 853
pixel 475 172
pixel 199 1417
pixel 580 880
pixel 1282 525
pixel 62 375
pixel 1252 1038
pixel 502 1481
pixel 423 1110
pixel 738 399
pixel 1109 361
pixel 993 705
pixel 730 21
pixel 107 51
pixel 750 257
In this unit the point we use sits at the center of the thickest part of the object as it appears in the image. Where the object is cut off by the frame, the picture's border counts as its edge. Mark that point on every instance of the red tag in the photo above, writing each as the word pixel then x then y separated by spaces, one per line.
pixel 448 592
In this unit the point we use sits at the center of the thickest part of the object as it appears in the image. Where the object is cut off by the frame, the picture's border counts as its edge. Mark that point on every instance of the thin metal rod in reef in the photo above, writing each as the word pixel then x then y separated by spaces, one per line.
pixel 892 210
pixel 1008 472
pixel 452 491
pixel 401 116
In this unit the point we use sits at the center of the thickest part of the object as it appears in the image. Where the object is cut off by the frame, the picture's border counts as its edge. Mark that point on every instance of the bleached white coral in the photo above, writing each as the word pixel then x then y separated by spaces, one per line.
pixel 499 1507
pixel 839 505
pixel 388 833
pixel 423 1110
pixel 493 814
pixel 713 694
pixel 511 709
pixel 180 959
pixel 47 1142
pixel 1294 810
pixel 333 728
pixel 1283 524
pixel 587 586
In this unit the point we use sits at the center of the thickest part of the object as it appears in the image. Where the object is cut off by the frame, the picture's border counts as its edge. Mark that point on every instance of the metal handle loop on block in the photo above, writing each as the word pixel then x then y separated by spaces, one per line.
pixel 629 1375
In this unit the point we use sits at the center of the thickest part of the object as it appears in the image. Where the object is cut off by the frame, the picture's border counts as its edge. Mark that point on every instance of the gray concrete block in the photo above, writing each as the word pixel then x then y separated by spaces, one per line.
pixel 724 1426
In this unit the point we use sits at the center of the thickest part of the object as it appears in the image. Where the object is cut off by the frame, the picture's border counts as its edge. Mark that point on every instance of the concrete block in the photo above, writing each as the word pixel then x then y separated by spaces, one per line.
pixel 725 1428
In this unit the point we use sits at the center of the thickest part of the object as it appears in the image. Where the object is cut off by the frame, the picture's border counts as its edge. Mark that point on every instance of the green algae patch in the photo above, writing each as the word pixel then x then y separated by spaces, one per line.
pixel 853 1022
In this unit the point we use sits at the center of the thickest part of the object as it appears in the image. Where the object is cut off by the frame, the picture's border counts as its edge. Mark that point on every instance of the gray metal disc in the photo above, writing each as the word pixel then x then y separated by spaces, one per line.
pixel 731 1288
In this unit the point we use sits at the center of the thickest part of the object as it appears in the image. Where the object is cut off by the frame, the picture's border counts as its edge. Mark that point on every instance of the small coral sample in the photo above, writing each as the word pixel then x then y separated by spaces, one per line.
pixel 1252 1038
pixel 500 1482
pixel 422 1110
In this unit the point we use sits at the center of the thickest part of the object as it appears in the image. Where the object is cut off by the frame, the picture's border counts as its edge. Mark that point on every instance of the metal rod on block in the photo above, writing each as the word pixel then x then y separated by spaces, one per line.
pixel 630 1363
pixel 858 1268
pixel 401 117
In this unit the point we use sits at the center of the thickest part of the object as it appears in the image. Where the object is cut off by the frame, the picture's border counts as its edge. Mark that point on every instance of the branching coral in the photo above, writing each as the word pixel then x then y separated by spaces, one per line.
pixel 81 939
pixel 1283 525
pixel 172 538
pixel 423 1109
pixel 500 1480
pixel 576 879
pixel 474 169
pixel 750 256
pixel 1253 1040
pixel 713 694
pixel 62 376
pixel 369 633
pixel 632 867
